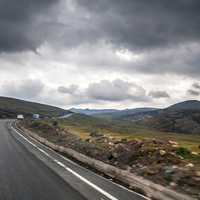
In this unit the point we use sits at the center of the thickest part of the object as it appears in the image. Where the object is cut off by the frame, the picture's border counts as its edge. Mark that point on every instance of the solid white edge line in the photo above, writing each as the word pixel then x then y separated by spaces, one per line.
pixel 92 185
pixel 23 137
pixel 69 170
pixel 118 185
pixel 72 162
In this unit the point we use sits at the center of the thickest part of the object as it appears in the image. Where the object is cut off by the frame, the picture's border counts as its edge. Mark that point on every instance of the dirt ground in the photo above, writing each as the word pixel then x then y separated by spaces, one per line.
pixel 163 162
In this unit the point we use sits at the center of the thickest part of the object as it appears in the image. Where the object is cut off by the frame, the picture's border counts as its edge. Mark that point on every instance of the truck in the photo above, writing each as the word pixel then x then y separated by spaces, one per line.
pixel 20 117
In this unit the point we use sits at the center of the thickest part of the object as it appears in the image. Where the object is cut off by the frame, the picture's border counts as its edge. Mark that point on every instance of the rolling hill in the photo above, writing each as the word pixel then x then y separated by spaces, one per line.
pixel 182 117
pixel 186 105
pixel 10 107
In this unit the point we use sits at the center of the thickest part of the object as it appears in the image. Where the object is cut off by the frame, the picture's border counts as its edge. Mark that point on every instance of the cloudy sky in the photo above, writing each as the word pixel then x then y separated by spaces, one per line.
pixel 100 53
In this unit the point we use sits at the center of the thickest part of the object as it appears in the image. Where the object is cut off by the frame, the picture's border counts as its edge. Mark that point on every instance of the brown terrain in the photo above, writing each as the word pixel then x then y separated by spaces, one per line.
pixel 163 161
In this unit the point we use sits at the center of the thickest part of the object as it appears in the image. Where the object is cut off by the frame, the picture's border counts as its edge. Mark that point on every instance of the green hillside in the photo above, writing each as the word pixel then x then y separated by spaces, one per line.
pixel 10 107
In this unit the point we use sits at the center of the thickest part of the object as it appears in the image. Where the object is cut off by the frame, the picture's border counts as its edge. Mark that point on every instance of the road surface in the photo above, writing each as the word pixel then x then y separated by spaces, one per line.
pixel 31 171
pixel 24 177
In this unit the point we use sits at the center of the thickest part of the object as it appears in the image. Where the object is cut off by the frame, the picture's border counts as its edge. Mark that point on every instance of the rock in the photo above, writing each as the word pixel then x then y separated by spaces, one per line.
pixel 115 155
pixel 128 168
pixel 173 142
pixel 88 140
pixel 150 171
pixel 111 143
pixel 96 134
pixel 169 170
pixel 190 165
pixel 197 179
pixel 181 157
pixel 197 173
pixel 172 184
pixel 116 163
pixel 134 166
pixel 174 167
pixel 195 153
pixel 139 165
pixel 175 145
pixel 162 152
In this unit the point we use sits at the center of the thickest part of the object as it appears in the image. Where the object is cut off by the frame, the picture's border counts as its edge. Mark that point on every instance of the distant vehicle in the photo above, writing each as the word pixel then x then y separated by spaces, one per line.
pixel 20 117
pixel 36 116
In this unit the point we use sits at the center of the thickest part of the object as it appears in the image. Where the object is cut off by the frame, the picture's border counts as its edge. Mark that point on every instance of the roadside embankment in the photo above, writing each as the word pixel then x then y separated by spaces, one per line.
pixel 138 183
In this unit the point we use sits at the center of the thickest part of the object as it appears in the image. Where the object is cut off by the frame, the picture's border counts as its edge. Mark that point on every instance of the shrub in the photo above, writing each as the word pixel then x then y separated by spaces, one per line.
pixel 184 152
pixel 55 123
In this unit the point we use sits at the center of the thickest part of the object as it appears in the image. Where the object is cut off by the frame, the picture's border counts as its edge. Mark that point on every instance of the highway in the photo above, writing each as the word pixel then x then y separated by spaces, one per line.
pixel 31 171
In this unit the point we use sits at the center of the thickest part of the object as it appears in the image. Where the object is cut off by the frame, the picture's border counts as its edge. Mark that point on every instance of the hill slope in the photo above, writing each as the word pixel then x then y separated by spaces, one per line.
pixel 10 107
pixel 183 117
pixel 186 105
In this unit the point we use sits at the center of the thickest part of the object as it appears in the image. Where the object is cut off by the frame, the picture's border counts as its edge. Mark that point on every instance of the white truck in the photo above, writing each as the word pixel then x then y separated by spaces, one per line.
pixel 20 117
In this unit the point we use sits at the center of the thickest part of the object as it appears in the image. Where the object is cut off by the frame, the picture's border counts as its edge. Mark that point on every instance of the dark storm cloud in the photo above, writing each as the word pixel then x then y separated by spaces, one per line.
pixel 165 33
pixel 20 28
pixel 132 24
pixel 142 23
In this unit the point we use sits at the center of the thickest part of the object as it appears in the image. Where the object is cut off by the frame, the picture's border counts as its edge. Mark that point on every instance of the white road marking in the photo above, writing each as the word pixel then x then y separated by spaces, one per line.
pixel 72 162
pixel 44 152
pixel 92 185
pixel 69 170
pixel 23 137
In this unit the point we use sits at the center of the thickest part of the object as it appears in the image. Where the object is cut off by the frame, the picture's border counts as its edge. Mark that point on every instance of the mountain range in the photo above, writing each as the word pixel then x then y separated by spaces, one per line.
pixel 111 113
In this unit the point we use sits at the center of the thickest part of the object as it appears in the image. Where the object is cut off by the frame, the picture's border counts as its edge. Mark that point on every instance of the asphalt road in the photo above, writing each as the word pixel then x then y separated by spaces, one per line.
pixel 31 171
pixel 24 177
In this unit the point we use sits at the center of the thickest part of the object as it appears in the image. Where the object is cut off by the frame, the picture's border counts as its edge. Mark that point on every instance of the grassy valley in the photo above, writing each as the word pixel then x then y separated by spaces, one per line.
pixel 170 159
pixel 83 125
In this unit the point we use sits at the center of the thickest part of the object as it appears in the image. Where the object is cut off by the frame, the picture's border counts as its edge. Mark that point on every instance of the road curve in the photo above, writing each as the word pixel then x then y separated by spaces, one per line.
pixel 29 170
pixel 24 177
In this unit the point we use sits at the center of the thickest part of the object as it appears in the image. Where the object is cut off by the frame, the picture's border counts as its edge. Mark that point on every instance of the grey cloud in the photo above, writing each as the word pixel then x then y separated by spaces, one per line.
pixel 128 24
pixel 182 60
pixel 194 90
pixel 159 94
pixel 28 89
pixel 68 90
pixel 196 86
pixel 117 90
pixel 110 91
pixel 21 24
